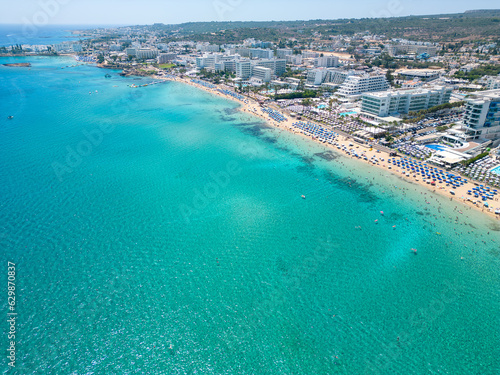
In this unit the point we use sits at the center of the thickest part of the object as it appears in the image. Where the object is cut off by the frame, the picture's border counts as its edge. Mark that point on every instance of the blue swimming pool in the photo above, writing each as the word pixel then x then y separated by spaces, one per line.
pixel 321 106
pixel 436 147
pixel 496 170
pixel 347 113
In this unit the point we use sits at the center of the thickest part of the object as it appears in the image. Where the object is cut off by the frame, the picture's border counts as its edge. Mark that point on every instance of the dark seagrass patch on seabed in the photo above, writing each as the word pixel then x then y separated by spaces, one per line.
pixel 231 111
pixel 494 227
pixel 363 190
pixel 326 155
pixel 494 252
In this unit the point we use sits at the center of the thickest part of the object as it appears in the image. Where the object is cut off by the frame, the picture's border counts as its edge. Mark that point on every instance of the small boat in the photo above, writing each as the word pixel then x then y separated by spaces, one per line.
pixel 107 76
pixel 10 117
pixel 303 196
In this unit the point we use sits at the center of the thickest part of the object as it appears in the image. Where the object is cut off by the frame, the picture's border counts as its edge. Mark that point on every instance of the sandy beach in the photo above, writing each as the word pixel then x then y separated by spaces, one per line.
pixel 460 196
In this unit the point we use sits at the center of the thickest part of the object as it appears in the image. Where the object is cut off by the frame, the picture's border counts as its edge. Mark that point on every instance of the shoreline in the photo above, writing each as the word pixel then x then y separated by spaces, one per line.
pixel 252 107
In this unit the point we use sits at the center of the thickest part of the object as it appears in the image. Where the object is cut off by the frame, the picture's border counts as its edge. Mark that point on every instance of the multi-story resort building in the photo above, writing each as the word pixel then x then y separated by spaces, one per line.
pixel 282 53
pixel 326 62
pixel 164 58
pixel 332 76
pixel 423 74
pixel 309 54
pixel 226 65
pixel 493 83
pixel 146 53
pixel 482 116
pixel 207 47
pixel 406 49
pixel 243 69
pixel 356 85
pixel 67 47
pixel 395 102
pixel 261 53
pixel 278 66
pixel 262 74
pixel 338 76
pixel 208 61
pixel 294 59
pixel 316 76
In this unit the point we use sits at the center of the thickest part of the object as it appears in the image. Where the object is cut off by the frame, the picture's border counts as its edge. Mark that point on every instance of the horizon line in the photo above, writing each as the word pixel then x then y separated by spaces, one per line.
pixel 237 21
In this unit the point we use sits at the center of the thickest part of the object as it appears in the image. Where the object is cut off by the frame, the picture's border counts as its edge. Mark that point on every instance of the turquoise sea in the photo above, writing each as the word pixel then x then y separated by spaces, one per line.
pixel 158 230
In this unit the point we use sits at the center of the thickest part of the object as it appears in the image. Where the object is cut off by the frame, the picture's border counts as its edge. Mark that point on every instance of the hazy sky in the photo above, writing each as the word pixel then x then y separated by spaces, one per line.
pixel 131 12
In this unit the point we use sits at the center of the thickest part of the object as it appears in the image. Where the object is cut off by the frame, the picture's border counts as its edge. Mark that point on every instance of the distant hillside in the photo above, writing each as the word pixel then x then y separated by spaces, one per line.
pixel 473 24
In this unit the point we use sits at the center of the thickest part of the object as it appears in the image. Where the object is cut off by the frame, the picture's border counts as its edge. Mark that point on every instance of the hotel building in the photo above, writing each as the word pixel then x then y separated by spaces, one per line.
pixel 262 74
pixel 482 116
pixel 326 62
pixel 243 69
pixel 356 85
pixel 395 102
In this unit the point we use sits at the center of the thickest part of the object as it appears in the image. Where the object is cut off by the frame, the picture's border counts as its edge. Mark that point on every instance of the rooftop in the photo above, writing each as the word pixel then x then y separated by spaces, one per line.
pixel 382 94
pixel 489 94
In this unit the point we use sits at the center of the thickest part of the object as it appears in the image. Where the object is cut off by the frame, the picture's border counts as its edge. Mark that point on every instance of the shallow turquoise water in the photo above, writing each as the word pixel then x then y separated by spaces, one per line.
pixel 179 243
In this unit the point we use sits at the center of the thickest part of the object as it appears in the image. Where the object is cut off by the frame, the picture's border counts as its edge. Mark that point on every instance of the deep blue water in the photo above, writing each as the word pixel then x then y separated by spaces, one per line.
pixel 33 34
pixel 159 230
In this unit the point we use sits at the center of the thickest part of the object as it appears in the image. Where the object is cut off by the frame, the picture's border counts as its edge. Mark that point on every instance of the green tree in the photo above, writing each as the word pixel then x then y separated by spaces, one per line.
pixel 306 102
pixel 389 77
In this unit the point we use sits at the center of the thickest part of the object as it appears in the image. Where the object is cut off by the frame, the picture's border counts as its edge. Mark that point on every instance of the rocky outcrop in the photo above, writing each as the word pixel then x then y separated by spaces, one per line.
pixel 25 65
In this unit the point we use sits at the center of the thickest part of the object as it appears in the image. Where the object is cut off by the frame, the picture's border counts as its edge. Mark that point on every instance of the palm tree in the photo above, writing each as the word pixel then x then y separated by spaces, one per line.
pixel 300 87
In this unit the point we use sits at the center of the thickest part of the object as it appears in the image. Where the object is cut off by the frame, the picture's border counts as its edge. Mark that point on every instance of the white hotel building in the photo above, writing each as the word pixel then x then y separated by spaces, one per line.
pixel 356 85
pixel 262 74
pixel 395 102
pixel 482 116
pixel 243 69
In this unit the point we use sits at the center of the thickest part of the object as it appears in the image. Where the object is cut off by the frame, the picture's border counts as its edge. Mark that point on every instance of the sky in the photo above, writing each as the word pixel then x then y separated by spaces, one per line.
pixel 138 12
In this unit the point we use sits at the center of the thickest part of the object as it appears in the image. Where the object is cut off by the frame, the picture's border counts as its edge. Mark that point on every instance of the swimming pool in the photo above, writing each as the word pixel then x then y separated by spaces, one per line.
pixel 347 113
pixel 436 147
pixel 496 170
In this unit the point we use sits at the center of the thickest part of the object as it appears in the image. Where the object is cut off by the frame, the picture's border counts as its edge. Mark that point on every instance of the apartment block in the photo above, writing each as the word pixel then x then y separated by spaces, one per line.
pixel 482 116
pixel 359 84
pixel 395 102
